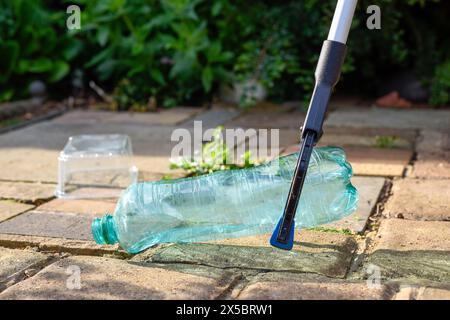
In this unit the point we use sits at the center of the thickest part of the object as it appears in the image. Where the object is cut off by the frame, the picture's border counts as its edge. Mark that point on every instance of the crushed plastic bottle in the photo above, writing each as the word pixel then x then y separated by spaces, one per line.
pixel 229 204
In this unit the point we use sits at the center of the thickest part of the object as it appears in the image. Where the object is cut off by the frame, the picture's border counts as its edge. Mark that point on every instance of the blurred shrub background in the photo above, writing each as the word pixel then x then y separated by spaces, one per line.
pixel 183 51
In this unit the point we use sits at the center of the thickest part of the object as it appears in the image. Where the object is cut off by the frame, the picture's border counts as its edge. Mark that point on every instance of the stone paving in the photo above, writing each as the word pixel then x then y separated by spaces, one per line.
pixel 395 246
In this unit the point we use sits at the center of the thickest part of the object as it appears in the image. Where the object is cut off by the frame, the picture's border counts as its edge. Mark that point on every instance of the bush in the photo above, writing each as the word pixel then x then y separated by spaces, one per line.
pixel 32 46
pixel 181 51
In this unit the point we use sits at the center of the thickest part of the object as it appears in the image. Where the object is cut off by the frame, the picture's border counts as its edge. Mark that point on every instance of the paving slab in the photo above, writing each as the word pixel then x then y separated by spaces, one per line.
pixel 170 116
pixel 290 287
pixel 9 209
pixel 387 118
pixel 433 294
pixel 103 278
pixel 316 252
pixel 360 140
pixel 433 155
pixel 378 162
pixel 266 106
pixel 373 161
pixel 431 165
pixel 50 224
pixel 14 262
pixel 28 165
pixel 26 192
pixel 369 189
pixel 338 101
pixel 412 249
pixel 266 145
pixel 59 218
pixel 422 293
pixel 95 194
pixel 402 137
pixel 32 155
pixel 72 246
pixel 81 206
pixel 433 141
pixel 269 120
pixel 213 118
pixel 419 200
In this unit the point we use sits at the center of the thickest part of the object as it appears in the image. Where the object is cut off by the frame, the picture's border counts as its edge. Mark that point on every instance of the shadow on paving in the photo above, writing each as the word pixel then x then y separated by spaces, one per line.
pixel 101 279
pixel 327 260
pixel 433 265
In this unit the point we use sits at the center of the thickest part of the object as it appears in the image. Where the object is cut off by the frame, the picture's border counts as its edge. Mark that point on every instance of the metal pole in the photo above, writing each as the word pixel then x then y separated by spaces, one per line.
pixel 342 20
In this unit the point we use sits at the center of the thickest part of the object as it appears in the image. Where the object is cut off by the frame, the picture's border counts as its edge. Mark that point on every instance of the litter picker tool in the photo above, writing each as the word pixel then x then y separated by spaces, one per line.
pixel 327 75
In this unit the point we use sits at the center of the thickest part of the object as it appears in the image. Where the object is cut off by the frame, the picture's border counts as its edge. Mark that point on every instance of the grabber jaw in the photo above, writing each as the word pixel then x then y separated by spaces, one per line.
pixel 286 244
pixel 283 235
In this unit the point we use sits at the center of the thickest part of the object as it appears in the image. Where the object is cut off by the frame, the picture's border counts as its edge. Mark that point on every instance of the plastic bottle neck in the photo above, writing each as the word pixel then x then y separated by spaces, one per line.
pixel 104 230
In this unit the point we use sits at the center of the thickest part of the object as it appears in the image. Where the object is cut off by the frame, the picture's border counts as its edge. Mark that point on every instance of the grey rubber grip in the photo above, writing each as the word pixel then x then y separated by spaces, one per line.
pixel 330 63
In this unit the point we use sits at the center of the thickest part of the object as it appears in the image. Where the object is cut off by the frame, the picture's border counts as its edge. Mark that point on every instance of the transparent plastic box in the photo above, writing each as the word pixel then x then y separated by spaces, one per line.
pixel 95 166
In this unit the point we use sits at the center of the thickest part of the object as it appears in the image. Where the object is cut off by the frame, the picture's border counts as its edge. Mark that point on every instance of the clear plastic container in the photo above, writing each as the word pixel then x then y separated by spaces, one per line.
pixel 95 166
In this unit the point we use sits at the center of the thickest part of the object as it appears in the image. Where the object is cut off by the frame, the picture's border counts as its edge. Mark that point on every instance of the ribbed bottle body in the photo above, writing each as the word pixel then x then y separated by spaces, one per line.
pixel 234 203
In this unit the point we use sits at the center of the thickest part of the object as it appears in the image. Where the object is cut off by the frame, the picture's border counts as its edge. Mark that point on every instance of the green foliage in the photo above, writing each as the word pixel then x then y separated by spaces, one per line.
pixel 181 51
pixel 214 157
pixel 162 48
pixel 31 47
pixel 440 86
pixel 385 142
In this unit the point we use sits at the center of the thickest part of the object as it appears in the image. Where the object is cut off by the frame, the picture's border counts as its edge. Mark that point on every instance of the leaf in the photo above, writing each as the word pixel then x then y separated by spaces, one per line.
pixel 216 8
pixel 72 49
pixel 60 70
pixel 137 48
pixel 100 57
pixel 102 35
pixel 157 76
pixel 6 94
pixel 40 65
pixel 9 53
pixel 106 69
pixel 207 78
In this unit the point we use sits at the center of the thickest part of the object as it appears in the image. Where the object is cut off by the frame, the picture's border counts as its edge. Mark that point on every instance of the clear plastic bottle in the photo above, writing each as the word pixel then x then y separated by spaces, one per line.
pixel 228 204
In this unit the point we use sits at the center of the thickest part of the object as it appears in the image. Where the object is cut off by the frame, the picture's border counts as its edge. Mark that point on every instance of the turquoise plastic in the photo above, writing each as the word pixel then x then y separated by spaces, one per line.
pixel 229 204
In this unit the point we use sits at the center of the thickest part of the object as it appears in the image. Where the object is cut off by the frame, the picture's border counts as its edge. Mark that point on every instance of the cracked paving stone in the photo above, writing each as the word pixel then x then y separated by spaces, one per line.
pixel 9 209
pixel 419 200
pixel 105 278
pixel 412 249
pixel 314 252
pixel 14 262
pixel 26 192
